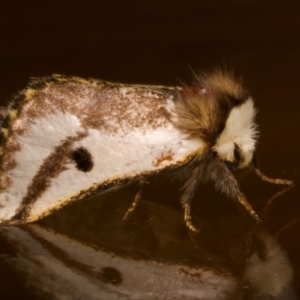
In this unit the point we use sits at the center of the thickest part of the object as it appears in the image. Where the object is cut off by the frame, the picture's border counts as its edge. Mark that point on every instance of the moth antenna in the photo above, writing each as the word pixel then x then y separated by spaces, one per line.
pixel 272 180
pixel 136 200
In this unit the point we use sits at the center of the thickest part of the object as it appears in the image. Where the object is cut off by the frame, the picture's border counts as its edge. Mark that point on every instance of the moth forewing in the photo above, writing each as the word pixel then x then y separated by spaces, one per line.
pixel 73 137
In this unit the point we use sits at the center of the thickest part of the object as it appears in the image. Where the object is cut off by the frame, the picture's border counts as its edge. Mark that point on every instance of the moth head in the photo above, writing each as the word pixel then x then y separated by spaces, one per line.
pixel 218 110
pixel 236 143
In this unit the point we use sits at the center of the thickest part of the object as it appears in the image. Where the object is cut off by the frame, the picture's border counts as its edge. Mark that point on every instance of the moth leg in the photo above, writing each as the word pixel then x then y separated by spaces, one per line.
pixel 242 199
pixel 286 226
pixel 272 180
pixel 136 200
pixel 189 190
pixel 278 194
pixel 227 183
pixel 188 219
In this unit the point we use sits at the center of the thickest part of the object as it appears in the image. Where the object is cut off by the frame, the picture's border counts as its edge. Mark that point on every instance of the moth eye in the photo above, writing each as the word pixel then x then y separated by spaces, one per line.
pixel 83 159
pixel 233 165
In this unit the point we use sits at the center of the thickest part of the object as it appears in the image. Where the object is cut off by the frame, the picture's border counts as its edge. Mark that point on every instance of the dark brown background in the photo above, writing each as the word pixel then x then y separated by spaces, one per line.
pixel 161 42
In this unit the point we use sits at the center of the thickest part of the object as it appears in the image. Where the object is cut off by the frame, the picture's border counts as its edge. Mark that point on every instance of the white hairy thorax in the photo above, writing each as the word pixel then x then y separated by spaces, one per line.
pixel 241 130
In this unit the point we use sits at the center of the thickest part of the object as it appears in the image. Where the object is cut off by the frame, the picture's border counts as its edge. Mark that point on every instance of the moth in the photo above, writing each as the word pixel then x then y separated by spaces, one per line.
pixel 66 138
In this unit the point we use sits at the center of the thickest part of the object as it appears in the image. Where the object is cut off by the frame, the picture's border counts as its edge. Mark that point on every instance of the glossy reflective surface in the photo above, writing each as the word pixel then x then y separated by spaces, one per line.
pixel 157 43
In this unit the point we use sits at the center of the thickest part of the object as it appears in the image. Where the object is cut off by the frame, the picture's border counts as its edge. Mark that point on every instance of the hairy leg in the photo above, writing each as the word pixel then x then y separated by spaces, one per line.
pixel 189 189
pixel 272 180
pixel 227 184
pixel 266 178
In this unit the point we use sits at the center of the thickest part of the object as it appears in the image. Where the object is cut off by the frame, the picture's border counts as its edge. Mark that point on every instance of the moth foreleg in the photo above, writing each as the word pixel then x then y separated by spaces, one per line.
pixel 266 178
pixel 227 184
pixel 272 180
pixel 137 198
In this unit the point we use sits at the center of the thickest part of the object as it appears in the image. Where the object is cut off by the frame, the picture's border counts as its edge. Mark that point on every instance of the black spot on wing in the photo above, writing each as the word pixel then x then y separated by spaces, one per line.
pixel 83 159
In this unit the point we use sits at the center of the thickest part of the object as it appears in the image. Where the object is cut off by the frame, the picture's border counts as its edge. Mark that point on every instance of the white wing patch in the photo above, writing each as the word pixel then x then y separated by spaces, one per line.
pixel 37 143
pixel 116 157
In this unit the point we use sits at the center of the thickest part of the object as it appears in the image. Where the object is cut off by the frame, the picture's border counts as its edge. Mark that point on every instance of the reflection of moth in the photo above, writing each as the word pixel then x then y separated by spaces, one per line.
pixel 58 267
pixel 67 138
pixel 52 263
pixel 196 275
pixel 268 273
